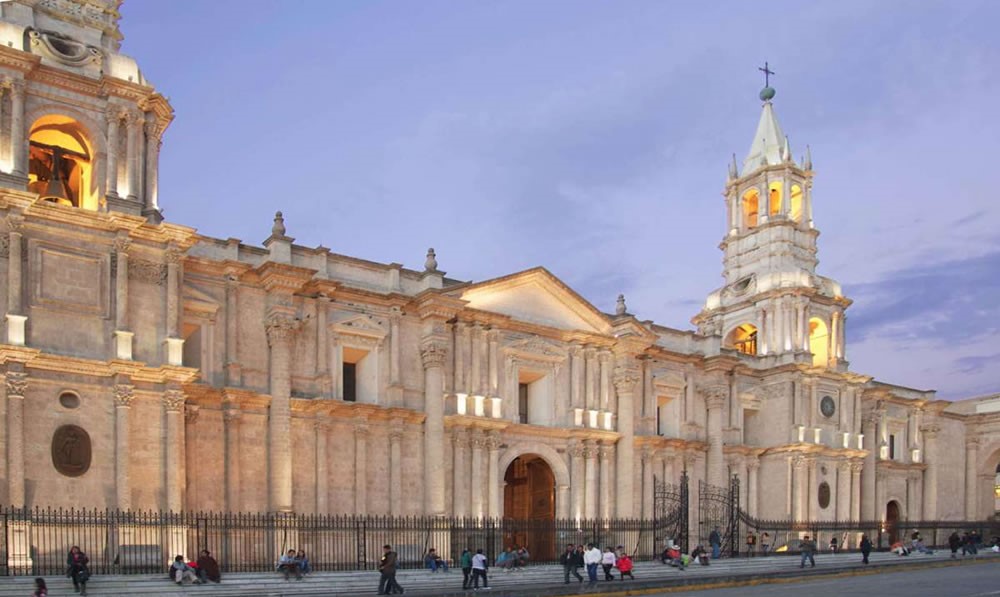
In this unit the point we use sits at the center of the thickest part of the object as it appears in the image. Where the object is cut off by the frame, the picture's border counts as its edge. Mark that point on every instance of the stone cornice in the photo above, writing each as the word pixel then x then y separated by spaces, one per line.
pixel 812 450
pixel 137 371
pixel 19 59
pixel 432 304
pixel 469 422
pixel 281 278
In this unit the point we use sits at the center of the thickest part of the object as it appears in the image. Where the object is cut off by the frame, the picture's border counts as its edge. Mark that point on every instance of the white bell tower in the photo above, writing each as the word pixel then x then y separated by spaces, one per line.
pixel 773 303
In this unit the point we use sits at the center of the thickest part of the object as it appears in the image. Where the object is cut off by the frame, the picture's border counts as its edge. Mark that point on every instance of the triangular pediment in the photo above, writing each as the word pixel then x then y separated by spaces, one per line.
pixel 359 324
pixel 536 296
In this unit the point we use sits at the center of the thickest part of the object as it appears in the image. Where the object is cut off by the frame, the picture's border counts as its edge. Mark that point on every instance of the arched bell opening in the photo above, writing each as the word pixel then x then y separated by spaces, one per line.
pixel 60 162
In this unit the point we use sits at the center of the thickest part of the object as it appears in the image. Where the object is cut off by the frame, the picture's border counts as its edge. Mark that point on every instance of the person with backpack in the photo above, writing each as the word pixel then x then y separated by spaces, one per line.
pixel 479 567
pixel 465 561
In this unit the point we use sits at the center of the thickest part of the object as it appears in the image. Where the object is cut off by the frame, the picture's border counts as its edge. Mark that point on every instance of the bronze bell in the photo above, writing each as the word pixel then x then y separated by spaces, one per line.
pixel 56 190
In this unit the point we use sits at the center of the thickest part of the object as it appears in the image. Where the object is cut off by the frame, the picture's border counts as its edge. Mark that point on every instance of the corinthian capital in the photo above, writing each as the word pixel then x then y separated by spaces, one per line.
pixel 280 326
pixel 17 385
pixel 124 394
pixel 625 379
pixel 173 401
pixel 715 395
pixel 433 354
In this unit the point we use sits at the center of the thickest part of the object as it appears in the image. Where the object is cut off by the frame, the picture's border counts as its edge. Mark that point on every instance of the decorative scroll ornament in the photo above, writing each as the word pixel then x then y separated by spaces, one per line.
pixel 173 400
pixel 143 270
pixel 280 326
pixel 17 385
pixel 433 354
pixel 63 49
pixel 715 395
pixel 124 394
pixel 625 379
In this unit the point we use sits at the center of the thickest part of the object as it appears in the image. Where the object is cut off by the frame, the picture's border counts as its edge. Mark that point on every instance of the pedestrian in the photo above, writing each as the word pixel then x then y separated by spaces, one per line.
pixel 624 565
pixel 568 561
pixel 435 562
pixel 181 571
pixel 715 540
pixel 578 558
pixel 699 555
pixel 77 562
pixel 479 567
pixel 608 562
pixel 751 544
pixel 765 543
pixel 833 544
pixel 866 548
pixel 591 558
pixel 466 562
pixel 808 548
pixel 954 542
pixel 208 568
pixel 303 561
pixel 968 544
pixel 387 584
pixel 40 589
pixel 287 564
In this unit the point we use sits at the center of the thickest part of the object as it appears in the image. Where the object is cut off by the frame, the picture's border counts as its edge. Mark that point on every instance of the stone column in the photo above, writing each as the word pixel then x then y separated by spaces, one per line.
pixel 395 357
pixel 753 468
pixel 647 483
pixel 833 336
pixel 463 361
pixel 173 404
pixel 625 381
pixel 477 441
pixel 478 383
pixel 844 491
pixel 233 373
pixel 189 439
pixel 175 345
pixel 931 457
pixel 281 328
pixel 494 480
pixel 689 397
pixel 231 428
pixel 361 466
pixel 590 356
pixel 605 452
pixel 433 355
pixel 396 471
pixel 460 473
pixel 869 510
pixel 605 380
pixel 322 428
pixel 799 473
pixel 15 316
pixel 124 395
pixel 971 491
pixel 715 399
pixel 590 478
pixel 578 481
pixel 18 135
pixel 913 509
pixel 133 124
pixel 856 467
pixel 812 491
pixel 494 366
pixel 576 366
pixel 153 143
pixel 123 338
pixel 17 386
pixel 113 116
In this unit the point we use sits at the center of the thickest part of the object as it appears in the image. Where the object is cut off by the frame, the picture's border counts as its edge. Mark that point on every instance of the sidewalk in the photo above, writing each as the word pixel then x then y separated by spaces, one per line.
pixel 535 580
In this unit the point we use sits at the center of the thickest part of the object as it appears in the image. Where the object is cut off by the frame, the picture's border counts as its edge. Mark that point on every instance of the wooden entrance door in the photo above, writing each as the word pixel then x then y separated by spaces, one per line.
pixel 530 506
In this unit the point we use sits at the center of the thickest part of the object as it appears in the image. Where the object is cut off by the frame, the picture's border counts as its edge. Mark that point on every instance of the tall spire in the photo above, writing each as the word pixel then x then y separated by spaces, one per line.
pixel 768 147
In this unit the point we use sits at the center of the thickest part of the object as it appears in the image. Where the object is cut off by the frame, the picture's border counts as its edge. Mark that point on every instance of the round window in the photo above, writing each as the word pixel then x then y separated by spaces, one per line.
pixel 69 400
pixel 827 406
pixel 824 495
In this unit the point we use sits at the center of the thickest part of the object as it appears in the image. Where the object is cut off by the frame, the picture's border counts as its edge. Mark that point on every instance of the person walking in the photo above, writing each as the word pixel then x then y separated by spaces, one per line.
pixel 568 561
pixel 77 562
pixel 866 548
pixel 954 542
pixel 808 548
pixel 833 545
pixel 465 561
pixel 715 540
pixel 765 543
pixel 591 558
pixel 387 584
pixel 608 562
pixel 479 567
pixel 751 544
pixel 40 589
pixel 624 565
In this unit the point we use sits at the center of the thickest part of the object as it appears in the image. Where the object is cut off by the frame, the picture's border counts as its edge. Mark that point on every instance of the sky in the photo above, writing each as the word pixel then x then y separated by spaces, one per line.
pixel 593 137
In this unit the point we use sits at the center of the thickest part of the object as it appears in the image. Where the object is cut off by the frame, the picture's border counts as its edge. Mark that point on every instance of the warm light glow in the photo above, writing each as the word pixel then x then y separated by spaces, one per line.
pixel 460 407
pixel 59 150
pixel 818 342
pixel 774 198
pixel 480 409
pixel 751 199
pixel 743 338
pixel 795 207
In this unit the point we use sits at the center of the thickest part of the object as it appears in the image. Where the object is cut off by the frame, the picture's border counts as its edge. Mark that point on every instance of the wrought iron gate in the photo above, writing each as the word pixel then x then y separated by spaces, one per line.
pixel 670 507
pixel 719 508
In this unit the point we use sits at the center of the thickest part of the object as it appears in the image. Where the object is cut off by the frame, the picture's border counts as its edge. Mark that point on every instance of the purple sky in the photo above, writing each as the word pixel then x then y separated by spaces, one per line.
pixel 593 138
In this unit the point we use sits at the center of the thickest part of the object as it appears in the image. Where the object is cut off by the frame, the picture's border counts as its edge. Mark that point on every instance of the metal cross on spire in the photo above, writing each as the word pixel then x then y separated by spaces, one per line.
pixel 767 74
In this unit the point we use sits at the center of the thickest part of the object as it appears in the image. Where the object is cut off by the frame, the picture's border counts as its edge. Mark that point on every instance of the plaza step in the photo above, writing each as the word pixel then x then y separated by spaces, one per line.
pixel 532 580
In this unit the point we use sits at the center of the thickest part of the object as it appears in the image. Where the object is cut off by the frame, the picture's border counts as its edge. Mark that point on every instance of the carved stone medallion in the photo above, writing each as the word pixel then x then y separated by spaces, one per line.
pixel 71 450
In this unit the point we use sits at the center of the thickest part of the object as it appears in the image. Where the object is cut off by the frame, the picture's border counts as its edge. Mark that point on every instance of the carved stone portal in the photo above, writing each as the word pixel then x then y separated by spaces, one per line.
pixel 71 450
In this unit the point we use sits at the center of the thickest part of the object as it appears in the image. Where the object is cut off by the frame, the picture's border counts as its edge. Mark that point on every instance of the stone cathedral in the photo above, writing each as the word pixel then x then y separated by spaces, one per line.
pixel 301 380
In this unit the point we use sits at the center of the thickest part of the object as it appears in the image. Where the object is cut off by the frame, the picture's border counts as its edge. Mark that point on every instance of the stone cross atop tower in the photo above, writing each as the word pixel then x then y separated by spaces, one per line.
pixel 773 303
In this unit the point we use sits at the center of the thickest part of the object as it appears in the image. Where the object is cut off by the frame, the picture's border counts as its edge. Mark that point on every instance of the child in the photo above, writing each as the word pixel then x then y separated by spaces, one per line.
pixel 624 565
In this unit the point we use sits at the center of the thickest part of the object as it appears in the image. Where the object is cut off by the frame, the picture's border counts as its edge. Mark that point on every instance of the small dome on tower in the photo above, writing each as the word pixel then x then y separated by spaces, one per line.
pixel 767 94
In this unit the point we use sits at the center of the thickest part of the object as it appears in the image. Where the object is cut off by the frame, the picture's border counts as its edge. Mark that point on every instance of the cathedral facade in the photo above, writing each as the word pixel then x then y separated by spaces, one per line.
pixel 147 366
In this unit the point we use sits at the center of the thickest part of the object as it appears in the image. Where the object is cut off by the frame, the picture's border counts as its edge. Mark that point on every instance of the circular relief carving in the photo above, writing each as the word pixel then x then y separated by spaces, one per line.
pixel 71 450
pixel 824 495
pixel 827 406
pixel 69 400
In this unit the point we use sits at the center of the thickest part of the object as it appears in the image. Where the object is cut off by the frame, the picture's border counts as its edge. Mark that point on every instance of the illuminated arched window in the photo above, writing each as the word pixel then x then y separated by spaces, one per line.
pixel 743 338
pixel 751 200
pixel 818 342
pixel 795 203
pixel 774 198
pixel 60 166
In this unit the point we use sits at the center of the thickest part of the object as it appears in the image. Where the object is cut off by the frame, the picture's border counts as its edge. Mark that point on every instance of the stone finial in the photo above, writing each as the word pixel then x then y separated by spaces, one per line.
pixel 807 162
pixel 620 308
pixel 278 230
pixel 431 264
pixel 734 171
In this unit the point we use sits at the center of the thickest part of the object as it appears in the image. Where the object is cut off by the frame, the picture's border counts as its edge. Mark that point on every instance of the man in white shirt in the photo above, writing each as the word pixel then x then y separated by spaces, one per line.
pixel 592 557
pixel 479 570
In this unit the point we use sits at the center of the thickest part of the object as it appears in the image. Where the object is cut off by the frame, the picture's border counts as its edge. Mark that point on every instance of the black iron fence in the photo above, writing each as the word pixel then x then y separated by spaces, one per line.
pixel 36 541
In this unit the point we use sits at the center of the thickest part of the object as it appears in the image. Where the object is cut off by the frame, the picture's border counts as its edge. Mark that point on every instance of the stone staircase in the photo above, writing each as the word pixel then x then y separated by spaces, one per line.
pixel 533 580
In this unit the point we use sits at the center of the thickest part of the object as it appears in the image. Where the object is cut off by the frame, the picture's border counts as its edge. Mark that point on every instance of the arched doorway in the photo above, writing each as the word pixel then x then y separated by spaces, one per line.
pixel 529 506
pixel 892 521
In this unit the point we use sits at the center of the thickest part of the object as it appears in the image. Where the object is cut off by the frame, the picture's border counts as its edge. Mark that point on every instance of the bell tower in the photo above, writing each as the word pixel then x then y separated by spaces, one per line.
pixel 81 125
pixel 773 303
